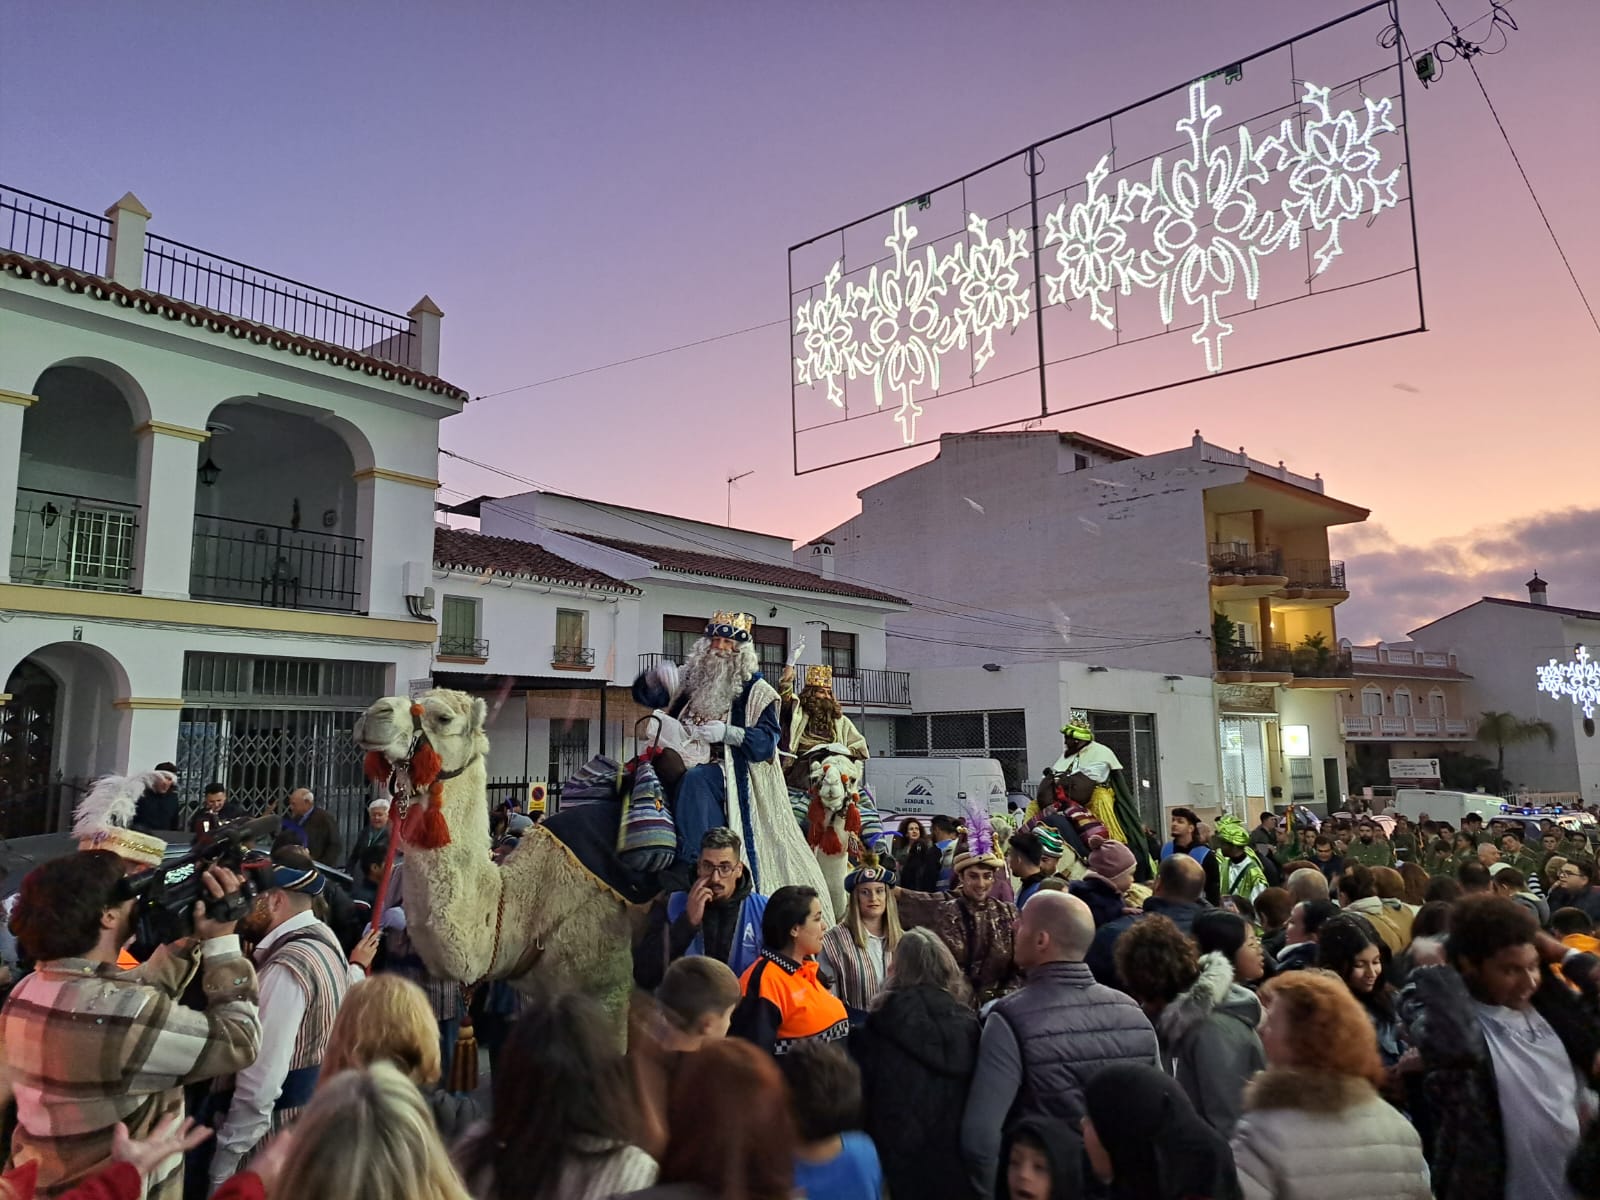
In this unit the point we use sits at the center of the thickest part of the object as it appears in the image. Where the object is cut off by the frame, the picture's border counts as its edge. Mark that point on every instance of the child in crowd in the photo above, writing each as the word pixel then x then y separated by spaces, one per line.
pixel 835 1160
pixel 692 1008
pixel 1044 1161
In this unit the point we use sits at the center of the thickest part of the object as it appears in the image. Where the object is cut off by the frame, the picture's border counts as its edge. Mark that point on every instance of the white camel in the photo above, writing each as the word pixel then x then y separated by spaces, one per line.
pixel 539 919
pixel 831 818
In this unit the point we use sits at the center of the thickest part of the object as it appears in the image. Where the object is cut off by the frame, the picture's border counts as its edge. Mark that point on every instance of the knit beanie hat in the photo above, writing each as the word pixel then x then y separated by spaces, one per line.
pixel 1111 859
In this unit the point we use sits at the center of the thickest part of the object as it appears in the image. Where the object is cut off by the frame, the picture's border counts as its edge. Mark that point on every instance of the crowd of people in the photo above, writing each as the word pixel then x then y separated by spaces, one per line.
pixel 1026 1011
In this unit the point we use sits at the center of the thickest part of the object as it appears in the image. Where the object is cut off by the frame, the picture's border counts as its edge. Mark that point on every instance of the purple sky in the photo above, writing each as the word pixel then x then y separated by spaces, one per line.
pixel 577 183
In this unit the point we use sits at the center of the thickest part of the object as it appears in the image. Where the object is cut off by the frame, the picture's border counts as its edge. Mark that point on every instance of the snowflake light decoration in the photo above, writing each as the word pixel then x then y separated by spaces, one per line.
pixel 1195 230
pixel 1578 680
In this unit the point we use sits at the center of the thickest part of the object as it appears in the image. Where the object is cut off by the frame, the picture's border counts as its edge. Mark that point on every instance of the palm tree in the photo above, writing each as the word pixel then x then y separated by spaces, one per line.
pixel 1502 729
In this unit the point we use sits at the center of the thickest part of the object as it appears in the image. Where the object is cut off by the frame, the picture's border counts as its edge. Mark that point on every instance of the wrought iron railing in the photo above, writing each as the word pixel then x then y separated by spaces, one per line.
pixel 572 656
pixel 186 273
pixel 57 233
pixel 62 540
pixel 1316 573
pixel 1241 558
pixel 1303 662
pixel 464 647
pixel 865 685
pixel 247 562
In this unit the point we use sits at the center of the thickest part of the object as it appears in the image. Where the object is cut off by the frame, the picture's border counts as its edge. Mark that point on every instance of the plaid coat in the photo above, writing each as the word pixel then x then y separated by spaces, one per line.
pixel 89 1045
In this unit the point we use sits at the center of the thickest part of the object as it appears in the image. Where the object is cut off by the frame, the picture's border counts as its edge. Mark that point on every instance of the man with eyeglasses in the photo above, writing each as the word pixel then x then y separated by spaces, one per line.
pixel 1575 889
pixel 719 916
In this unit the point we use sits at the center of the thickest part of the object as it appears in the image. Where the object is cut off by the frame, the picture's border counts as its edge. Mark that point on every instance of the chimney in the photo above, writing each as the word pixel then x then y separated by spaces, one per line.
pixel 822 557
pixel 1536 588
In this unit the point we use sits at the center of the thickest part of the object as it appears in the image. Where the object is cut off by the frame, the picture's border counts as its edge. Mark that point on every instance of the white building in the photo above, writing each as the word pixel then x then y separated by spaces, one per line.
pixel 1183 602
pixel 557 603
pixel 217 476
pixel 1502 644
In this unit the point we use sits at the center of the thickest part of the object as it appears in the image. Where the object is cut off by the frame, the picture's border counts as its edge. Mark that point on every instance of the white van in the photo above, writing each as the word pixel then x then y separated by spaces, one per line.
pixel 1411 803
pixel 931 787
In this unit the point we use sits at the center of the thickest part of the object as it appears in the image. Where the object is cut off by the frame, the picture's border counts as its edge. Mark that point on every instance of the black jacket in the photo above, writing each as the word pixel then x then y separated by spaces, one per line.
pixel 920 870
pixel 206 822
pixel 157 812
pixel 1102 958
pixel 1458 1084
pixel 917 1052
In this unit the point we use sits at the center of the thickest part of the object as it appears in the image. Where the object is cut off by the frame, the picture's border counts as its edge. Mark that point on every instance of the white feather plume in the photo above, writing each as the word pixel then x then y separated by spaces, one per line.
pixel 112 802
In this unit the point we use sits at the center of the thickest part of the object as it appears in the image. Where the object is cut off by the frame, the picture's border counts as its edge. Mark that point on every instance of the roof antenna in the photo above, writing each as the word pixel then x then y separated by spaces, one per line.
pixel 733 479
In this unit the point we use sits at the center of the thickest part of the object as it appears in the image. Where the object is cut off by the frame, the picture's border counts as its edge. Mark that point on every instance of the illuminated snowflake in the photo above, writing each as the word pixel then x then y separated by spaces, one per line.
pixel 1092 248
pixel 991 291
pixel 1208 227
pixel 1332 170
pixel 823 324
pixel 1578 680
pixel 907 333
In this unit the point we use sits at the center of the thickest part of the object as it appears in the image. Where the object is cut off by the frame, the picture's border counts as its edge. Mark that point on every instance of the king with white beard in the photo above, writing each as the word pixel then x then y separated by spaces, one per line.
pixel 722 699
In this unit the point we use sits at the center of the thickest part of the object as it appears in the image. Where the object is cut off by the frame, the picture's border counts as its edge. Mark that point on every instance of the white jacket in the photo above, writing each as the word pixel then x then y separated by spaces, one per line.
pixel 1313 1135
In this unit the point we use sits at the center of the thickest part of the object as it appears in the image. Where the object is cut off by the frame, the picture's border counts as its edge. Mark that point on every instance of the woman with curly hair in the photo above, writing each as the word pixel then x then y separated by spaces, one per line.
pixel 1205 1021
pixel 918 856
pixel 1314 1126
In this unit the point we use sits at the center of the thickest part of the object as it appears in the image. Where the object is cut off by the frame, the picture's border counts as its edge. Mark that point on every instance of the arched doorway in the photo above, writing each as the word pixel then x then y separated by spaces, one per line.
pixel 77 484
pixel 276 518
pixel 59 730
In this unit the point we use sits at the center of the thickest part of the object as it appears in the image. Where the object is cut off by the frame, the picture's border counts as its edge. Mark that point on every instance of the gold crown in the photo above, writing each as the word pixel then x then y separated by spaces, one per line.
pixel 819 676
pixel 735 625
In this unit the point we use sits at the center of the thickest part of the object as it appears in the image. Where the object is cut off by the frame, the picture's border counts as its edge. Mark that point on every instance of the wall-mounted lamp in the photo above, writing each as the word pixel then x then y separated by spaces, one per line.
pixel 209 471
pixel 993 667
pixel 772 612
pixel 49 514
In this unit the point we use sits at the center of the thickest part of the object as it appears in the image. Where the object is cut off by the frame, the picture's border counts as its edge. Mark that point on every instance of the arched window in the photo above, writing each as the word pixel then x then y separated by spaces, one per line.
pixel 1402 702
pixel 1371 702
pixel 1436 705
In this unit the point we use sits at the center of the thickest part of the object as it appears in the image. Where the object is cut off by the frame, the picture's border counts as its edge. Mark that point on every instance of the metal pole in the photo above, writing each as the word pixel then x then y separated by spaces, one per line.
pixel 603 690
pixel 1038 275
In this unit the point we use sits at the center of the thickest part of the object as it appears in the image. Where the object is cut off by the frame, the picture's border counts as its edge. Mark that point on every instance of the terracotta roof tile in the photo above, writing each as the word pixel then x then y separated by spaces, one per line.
pixel 508 556
pixel 1391 670
pixel 100 288
pixel 717 566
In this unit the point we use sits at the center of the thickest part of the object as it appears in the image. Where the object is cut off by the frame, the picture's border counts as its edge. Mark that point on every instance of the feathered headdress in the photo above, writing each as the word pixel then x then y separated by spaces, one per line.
pixel 980 840
pixel 100 822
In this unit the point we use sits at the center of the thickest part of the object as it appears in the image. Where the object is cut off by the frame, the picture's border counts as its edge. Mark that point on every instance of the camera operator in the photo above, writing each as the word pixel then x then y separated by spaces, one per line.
pixel 91 1045
pixel 304 974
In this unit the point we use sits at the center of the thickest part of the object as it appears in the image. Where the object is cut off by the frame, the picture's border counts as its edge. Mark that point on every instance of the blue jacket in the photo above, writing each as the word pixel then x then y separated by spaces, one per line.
pixel 747 930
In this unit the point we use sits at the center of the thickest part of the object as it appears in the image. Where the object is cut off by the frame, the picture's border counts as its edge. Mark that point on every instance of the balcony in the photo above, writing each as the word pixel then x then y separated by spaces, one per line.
pixel 1408 729
pixel 70 237
pixel 245 562
pixel 1241 571
pixel 1312 583
pixel 863 686
pixel 457 646
pixel 572 658
pixel 1273 662
pixel 61 540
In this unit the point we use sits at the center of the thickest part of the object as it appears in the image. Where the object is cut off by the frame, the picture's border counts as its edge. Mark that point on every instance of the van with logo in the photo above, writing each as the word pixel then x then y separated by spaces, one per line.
pixel 932 787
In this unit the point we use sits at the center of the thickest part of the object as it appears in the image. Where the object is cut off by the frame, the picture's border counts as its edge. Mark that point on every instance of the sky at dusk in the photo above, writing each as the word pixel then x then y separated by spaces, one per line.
pixel 579 183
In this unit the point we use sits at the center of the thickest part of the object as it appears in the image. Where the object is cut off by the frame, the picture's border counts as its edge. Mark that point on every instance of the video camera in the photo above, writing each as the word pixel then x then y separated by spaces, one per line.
pixel 165 896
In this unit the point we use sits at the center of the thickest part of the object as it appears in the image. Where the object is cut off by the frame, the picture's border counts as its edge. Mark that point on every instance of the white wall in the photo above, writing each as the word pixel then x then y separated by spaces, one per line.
pixel 1105 557
pixel 1184 711
pixel 1502 647
pixel 1318 710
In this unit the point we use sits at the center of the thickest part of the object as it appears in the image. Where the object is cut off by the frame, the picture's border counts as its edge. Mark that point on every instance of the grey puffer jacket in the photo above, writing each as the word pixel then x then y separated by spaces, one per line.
pixel 1209 1042
pixel 1314 1135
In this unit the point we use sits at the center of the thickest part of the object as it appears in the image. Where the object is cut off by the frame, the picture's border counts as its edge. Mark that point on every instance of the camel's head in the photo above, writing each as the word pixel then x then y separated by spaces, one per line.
pixel 833 781
pixel 421 744
pixel 452 723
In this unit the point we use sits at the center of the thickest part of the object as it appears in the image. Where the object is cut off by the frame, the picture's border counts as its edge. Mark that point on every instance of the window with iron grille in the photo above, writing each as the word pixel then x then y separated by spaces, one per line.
pixel 839 652
pixel 772 648
pixel 458 627
pixel 1000 735
pixel 308 682
pixel 1132 738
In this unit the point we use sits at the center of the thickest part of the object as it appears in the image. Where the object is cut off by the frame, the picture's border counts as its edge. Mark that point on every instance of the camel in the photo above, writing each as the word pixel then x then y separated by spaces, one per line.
pixel 540 919
pixel 834 814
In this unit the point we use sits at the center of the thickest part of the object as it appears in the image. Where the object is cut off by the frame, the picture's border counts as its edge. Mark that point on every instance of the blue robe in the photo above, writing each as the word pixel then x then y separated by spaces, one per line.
pixel 702 793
